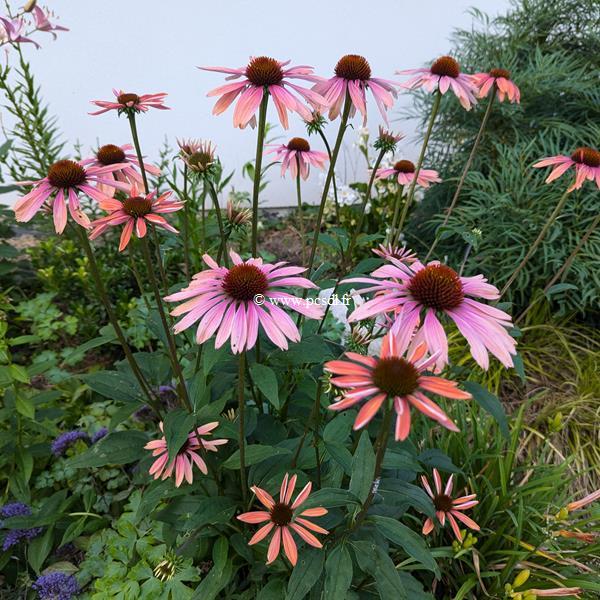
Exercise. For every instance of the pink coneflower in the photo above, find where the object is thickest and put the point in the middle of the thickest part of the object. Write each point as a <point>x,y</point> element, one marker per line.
<point>282,518</point>
<point>188,455</point>
<point>60,188</point>
<point>127,101</point>
<point>404,172</point>
<point>401,253</point>
<point>11,32</point>
<point>297,152</point>
<point>353,77</point>
<point>198,155</point>
<point>448,508</point>
<point>443,75</point>
<point>433,289</point>
<point>265,75</point>
<point>585,160</point>
<point>42,21</point>
<point>237,300</point>
<point>500,79</point>
<point>110,154</point>
<point>395,378</point>
<point>135,212</point>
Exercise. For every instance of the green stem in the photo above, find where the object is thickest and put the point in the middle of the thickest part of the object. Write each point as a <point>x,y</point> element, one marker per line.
<point>333,182</point>
<point>186,223</point>
<point>466,168</point>
<point>241,424</point>
<point>159,260</point>
<point>413,183</point>
<point>171,347</point>
<point>138,151</point>
<point>397,204</point>
<point>223,244</point>
<point>314,413</point>
<point>557,209</point>
<point>260,139</point>
<point>300,218</point>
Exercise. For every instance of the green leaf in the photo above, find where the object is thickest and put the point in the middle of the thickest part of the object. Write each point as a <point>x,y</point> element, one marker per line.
<point>408,540</point>
<point>39,549</point>
<point>218,577</point>
<point>265,379</point>
<point>216,509</point>
<point>363,467</point>
<point>306,573</point>
<point>372,559</point>
<point>413,495</point>
<point>490,403</point>
<point>338,573</point>
<point>330,498</point>
<point>341,455</point>
<point>19,373</point>
<point>434,457</point>
<point>24,406</point>
<point>114,385</point>
<point>117,448</point>
<point>177,426</point>
<point>254,454</point>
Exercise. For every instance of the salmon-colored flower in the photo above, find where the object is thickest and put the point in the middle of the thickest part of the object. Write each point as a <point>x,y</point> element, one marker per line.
<point>134,213</point>
<point>281,518</point>
<point>443,75</point>
<point>265,75</point>
<point>446,507</point>
<point>297,153</point>
<point>404,172</point>
<point>579,504</point>
<point>187,457</point>
<point>500,80</point>
<point>353,78</point>
<point>555,592</point>
<point>127,101</point>
<point>392,377</point>
<point>585,160</point>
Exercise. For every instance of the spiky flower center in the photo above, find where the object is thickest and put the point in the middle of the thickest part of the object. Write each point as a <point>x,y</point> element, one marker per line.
<point>298,144</point>
<point>128,99</point>
<point>110,154</point>
<point>500,73</point>
<point>199,161</point>
<point>443,503</point>
<point>66,174</point>
<point>404,166</point>
<point>281,514</point>
<point>437,286</point>
<point>243,282</point>
<point>395,376</point>
<point>263,70</point>
<point>137,206</point>
<point>587,156</point>
<point>446,65</point>
<point>352,67</point>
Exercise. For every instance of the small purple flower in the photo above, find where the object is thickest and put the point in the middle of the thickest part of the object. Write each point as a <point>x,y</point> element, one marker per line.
<point>65,440</point>
<point>56,586</point>
<point>103,431</point>
<point>14,536</point>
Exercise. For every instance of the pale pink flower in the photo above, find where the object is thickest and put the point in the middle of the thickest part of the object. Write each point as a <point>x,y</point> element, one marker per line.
<point>500,79</point>
<point>60,188</point>
<point>404,172</point>
<point>392,378</point>
<point>187,456</point>
<point>447,507</point>
<point>443,75</point>
<point>579,504</point>
<point>436,289</point>
<point>110,154</point>
<point>282,519</point>
<point>296,153</point>
<point>11,32</point>
<point>42,21</point>
<point>389,250</point>
<point>128,101</point>
<point>585,160</point>
<point>260,76</point>
<point>237,300</point>
<point>353,77</point>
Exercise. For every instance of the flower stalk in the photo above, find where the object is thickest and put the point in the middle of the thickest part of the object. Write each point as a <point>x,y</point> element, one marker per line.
<point>260,140</point>
<point>300,217</point>
<point>241,424</point>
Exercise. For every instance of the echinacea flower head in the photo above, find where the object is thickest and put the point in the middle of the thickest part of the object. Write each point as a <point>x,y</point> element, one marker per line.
<point>198,155</point>
<point>404,172</point>
<point>443,75</point>
<point>60,190</point>
<point>265,75</point>
<point>235,302</point>
<point>134,213</point>
<point>387,140</point>
<point>56,586</point>
<point>11,32</point>
<point>65,440</point>
<point>447,507</point>
<point>14,536</point>
<point>297,156</point>
<point>434,290</point>
<point>397,376</point>
<point>352,78</point>
<point>401,253</point>
<point>586,161</point>
<point>316,123</point>
<point>188,455</point>
<point>500,81</point>
<point>128,102</point>
<point>111,154</point>
<point>237,215</point>
<point>282,518</point>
